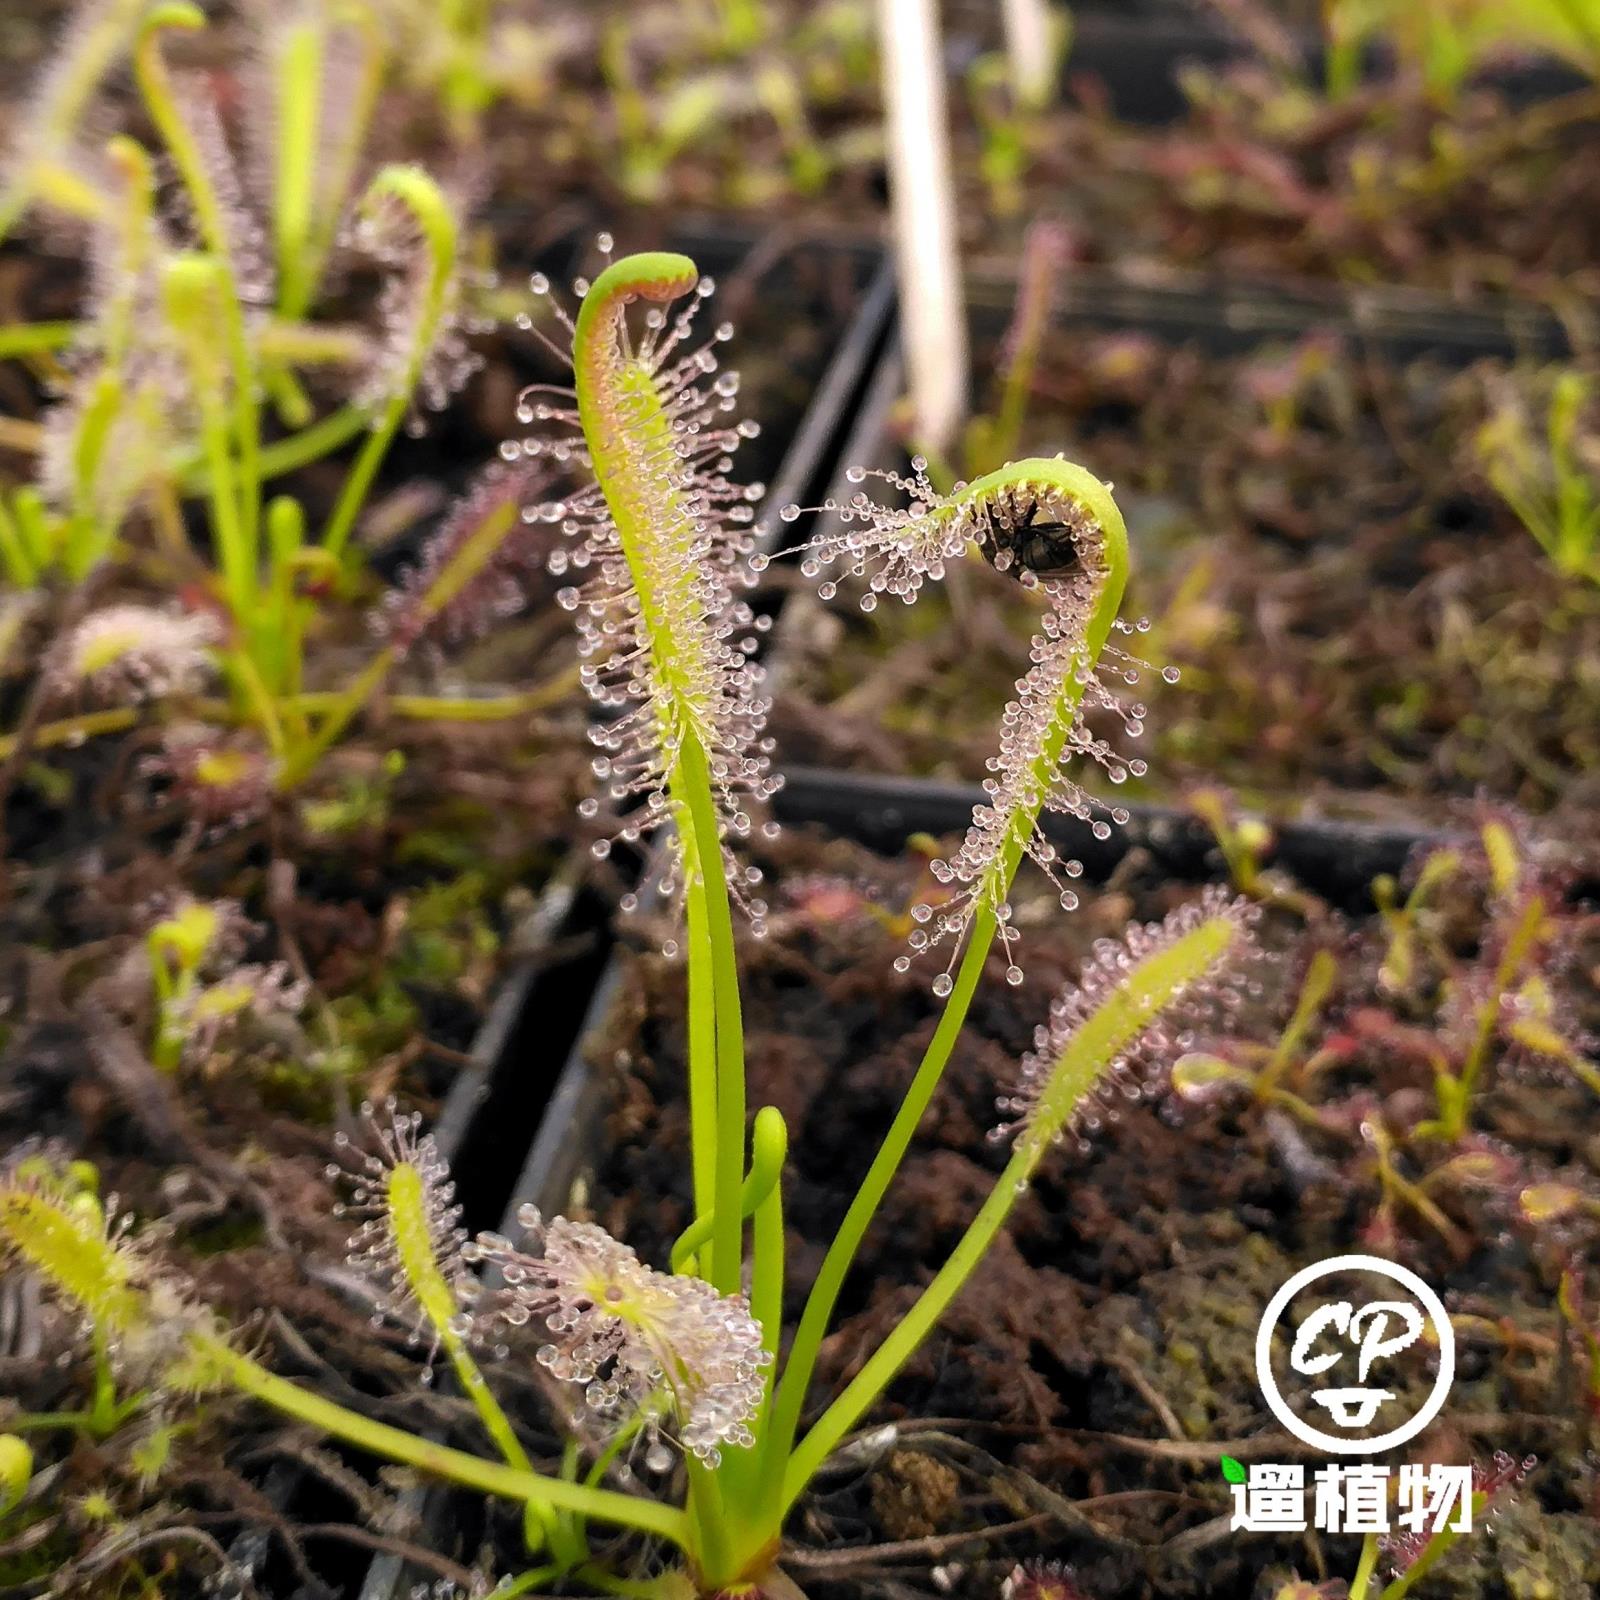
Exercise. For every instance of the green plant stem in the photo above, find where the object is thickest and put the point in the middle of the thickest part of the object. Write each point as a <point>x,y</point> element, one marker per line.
<point>860,1393</point>
<point>441,1461</point>
<point>247,675</point>
<point>769,1144</point>
<point>412,707</point>
<point>692,788</point>
<point>1586,1074</point>
<point>789,1400</point>
<point>298,90</point>
<point>1365,1567</point>
<point>473,1384</point>
<point>614,1446</point>
<point>1062,477</point>
<point>1319,981</point>
<point>662,1588</point>
<point>466,562</point>
<point>16,554</point>
<point>1455,1103</point>
<point>322,438</point>
<point>89,533</point>
<point>283,638</point>
<point>702,1040</point>
<point>489,708</point>
<point>103,1410</point>
<point>286,343</point>
<point>155,86</point>
<point>35,338</point>
<point>346,708</point>
<point>73,730</point>
<point>627,427</point>
<point>47,1421</point>
<point>413,189</point>
<point>769,1147</point>
<point>527,1582</point>
<point>406,1193</point>
<point>194,287</point>
<point>707,1516</point>
<point>358,484</point>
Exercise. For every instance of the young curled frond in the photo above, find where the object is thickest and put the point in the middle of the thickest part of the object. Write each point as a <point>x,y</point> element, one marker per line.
<point>1056,528</point>
<point>1114,1030</point>
<point>659,539</point>
<point>408,223</point>
<point>209,200</point>
<point>646,1344</point>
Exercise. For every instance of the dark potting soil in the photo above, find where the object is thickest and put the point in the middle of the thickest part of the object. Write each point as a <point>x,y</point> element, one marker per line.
<point>1354,611</point>
<point>1100,1361</point>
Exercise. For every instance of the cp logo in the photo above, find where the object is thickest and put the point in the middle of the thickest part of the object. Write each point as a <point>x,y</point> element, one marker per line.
<point>1340,1333</point>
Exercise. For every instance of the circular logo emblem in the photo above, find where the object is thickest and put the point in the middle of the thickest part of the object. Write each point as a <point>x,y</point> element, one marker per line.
<point>1348,1335</point>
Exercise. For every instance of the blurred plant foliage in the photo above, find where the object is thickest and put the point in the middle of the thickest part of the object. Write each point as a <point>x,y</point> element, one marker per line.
<point>1547,475</point>
<point>1448,40</point>
<point>204,366</point>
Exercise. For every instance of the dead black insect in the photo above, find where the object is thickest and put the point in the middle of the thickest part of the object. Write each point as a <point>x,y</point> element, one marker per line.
<point>1015,539</point>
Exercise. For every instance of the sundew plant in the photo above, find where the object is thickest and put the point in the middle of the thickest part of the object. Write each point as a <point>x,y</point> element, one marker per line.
<point>199,374</point>
<point>687,1410</point>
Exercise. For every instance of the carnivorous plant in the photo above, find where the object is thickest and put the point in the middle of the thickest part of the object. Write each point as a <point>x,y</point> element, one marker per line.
<point>185,383</point>
<point>678,1366</point>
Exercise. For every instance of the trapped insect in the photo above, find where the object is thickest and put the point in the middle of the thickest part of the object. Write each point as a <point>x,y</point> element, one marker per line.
<point>1013,539</point>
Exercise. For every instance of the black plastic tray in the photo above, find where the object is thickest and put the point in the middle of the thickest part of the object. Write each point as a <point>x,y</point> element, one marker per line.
<point>1226,314</point>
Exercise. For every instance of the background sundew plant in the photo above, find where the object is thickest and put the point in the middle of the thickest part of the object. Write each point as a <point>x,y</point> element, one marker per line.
<point>189,381</point>
<point>682,1362</point>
